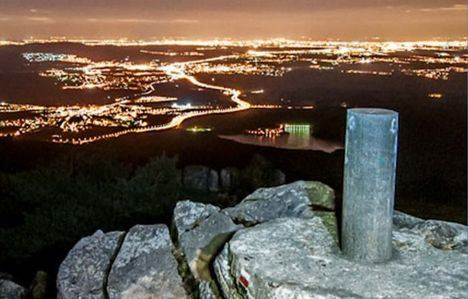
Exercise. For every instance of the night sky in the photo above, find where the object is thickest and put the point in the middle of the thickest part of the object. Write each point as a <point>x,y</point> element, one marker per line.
<point>237,19</point>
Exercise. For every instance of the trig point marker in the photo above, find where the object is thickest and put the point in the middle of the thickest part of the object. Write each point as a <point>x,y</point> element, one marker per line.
<point>369,184</point>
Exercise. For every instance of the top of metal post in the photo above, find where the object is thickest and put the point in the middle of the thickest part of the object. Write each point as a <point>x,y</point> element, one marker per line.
<point>372,111</point>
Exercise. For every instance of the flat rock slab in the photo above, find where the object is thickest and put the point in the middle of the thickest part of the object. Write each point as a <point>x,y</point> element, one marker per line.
<point>292,200</point>
<point>298,258</point>
<point>83,272</point>
<point>145,267</point>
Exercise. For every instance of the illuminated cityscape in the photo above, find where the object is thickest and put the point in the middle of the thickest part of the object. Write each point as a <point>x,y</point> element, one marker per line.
<point>146,110</point>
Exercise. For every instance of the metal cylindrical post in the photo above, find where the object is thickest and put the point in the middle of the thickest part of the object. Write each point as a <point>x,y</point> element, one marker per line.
<point>369,184</point>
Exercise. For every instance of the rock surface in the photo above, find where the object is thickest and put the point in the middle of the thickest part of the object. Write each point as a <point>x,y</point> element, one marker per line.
<point>443,235</point>
<point>202,232</point>
<point>298,258</point>
<point>189,214</point>
<point>292,200</point>
<point>145,267</point>
<point>83,272</point>
<point>11,290</point>
<point>320,195</point>
<point>208,290</point>
<point>201,244</point>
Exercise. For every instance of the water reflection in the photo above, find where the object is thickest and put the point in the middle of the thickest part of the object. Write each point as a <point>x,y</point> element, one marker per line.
<point>286,136</point>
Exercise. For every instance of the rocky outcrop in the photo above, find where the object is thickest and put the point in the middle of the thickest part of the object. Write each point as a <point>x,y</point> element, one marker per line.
<point>298,258</point>
<point>145,266</point>
<point>83,272</point>
<point>284,245</point>
<point>292,200</point>
<point>11,290</point>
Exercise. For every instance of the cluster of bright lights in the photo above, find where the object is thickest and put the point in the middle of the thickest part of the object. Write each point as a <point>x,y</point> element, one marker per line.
<point>436,96</point>
<point>197,129</point>
<point>267,132</point>
<point>364,72</point>
<point>173,53</point>
<point>435,73</point>
<point>238,69</point>
<point>52,57</point>
<point>293,129</point>
<point>105,75</point>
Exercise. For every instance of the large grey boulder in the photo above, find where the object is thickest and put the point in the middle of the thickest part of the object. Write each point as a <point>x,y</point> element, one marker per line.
<point>292,200</point>
<point>83,272</point>
<point>298,258</point>
<point>145,267</point>
<point>11,290</point>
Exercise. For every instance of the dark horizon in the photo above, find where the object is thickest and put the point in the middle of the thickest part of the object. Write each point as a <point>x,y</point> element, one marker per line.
<point>207,19</point>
